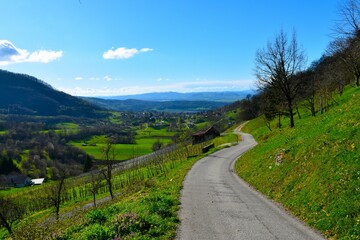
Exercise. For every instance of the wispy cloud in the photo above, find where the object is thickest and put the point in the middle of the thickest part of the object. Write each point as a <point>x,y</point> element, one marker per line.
<point>124,53</point>
<point>162,79</point>
<point>9,54</point>
<point>107,78</point>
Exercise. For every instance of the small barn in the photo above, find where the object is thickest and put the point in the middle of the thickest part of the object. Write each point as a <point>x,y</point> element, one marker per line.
<point>204,136</point>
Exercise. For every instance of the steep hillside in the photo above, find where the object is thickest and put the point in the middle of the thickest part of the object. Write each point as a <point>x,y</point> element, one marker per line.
<point>314,168</point>
<point>23,94</point>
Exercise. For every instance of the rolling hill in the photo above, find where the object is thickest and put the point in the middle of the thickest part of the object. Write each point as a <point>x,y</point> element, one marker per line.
<point>26,95</point>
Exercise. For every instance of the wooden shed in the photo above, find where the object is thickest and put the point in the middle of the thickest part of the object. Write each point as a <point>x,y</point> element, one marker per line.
<point>206,135</point>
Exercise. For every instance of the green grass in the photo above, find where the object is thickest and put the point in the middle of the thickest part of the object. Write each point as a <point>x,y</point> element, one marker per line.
<point>228,138</point>
<point>202,125</point>
<point>122,151</point>
<point>144,139</point>
<point>12,191</point>
<point>318,176</point>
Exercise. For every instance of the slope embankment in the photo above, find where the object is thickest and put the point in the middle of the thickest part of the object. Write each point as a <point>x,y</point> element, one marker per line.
<point>313,169</point>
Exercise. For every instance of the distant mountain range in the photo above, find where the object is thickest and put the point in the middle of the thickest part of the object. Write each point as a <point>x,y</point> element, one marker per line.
<point>192,96</point>
<point>170,101</point>
<point>26,95</point>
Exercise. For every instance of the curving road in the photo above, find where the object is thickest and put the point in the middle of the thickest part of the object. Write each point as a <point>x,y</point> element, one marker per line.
<point>217,204</point>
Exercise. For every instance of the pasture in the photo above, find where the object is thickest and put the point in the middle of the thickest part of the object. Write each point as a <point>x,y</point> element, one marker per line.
<point>144,141</point>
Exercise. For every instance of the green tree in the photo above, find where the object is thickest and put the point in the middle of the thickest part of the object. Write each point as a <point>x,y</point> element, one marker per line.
<point>156,145</point>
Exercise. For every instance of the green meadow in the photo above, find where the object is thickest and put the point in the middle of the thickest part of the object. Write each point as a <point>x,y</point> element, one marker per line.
<point>144,139</point>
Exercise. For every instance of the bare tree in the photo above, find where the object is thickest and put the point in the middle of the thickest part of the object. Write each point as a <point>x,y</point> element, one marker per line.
<point>55,192</point>
<point>108,152</point>
<point>95,185</point>
<point>346,45</point>
<point>10,212</point>
<point>348,50</point>
<point>277,66</point>
<point>348,24</point>
<point>309,89</point>
<point>184,140</point>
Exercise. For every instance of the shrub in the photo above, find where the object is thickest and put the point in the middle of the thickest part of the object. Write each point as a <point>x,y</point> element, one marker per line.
<point>129,223</point>
<point>160,204</point>
<point>97,216</point>
<point>96,231</point>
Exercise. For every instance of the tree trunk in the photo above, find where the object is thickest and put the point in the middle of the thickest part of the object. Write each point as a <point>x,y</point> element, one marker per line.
<point>110,190</point>
<point>313,113</point>
<point>357,84</point>
<point>297,111</point>
<point>94,199</point>
<point>291,113</point>
<point>58,197</point>
<point>268,124</point>
<point>321,105</point>
<point>279,119</point>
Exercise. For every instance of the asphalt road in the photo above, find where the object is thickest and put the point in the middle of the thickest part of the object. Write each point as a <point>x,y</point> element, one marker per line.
<point>217,204</point>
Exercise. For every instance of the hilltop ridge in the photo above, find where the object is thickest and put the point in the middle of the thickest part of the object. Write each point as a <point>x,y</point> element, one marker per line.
<point>26,95</point>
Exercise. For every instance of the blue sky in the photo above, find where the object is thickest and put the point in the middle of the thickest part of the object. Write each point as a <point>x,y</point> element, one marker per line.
<point>122,47</point>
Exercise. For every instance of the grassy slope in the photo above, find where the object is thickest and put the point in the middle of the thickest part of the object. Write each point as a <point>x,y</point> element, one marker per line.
<point>319,177</point>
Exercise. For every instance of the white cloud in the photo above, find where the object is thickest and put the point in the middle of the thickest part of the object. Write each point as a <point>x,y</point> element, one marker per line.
<point>78,78</point>
<point>124,53</point>
<point>107,78</point>
<point>162,79</point>
<point>146,50</point>
<point>44,56</point>
<point>9,54</point>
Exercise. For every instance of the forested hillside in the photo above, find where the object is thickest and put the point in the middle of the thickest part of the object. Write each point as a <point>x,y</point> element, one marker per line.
<point>26,95</point>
